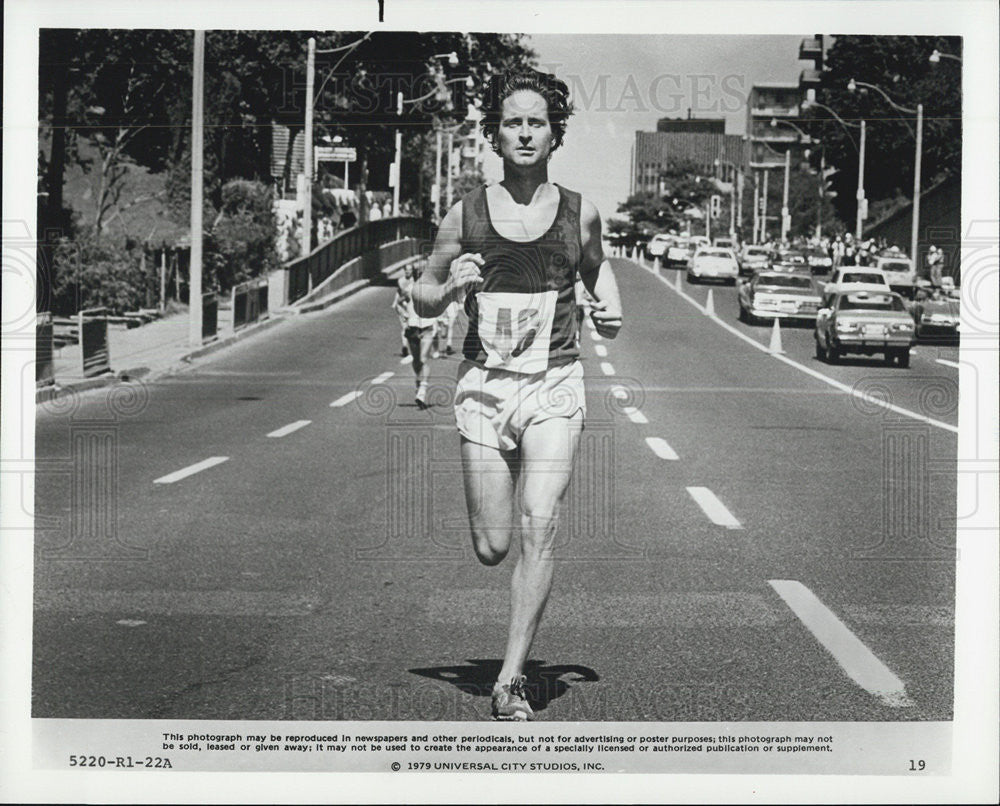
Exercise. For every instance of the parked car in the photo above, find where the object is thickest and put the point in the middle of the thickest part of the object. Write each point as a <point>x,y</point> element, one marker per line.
<point>677,252</point>
<point>936,314</point>
<point>777,295</point>
<point>899,273</point>
<point>865,323</point>
<point>719,264</point>
<point>754,258</point>
<point>658,245</point>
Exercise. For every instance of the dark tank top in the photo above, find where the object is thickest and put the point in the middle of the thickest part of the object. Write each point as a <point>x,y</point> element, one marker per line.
<point>523,316</point>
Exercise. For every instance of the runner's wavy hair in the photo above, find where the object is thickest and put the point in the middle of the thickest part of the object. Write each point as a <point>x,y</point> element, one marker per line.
<point>503,85</point>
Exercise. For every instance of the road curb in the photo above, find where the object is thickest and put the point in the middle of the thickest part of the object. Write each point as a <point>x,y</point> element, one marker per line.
<point>135,373</point>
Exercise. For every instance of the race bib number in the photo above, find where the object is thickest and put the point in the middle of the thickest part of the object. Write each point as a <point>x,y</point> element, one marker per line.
<point>516,329</point>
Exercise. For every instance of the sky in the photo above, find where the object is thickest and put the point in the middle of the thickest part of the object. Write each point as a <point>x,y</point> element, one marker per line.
<point>624,83</point>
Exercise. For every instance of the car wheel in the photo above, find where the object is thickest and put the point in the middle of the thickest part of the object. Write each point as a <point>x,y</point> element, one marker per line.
<point>743,314</point>
<point>903,356</point>
<point>820,351</point>
<point>890,356</point>
<point>689,277</point>
<point>832,355</point>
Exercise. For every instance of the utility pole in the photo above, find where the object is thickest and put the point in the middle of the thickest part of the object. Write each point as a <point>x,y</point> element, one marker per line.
<point>756,208</point>
<point>436,192</point>
<point>785,217</point>
<point>308,161</point>
<point>763,209</point>
<point>398,162</point>
<point>197,155</point>
<point>451,158</point>
<point>861,184</point>
<point>916,187</point>
<point>739,198</point>
<point>822,194</point>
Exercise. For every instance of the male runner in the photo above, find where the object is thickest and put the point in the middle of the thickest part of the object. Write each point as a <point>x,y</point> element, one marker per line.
<point>511,253</point>
<point>418,332</point>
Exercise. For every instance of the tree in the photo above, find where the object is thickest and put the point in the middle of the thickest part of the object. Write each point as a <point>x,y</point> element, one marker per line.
<point>901,66</point>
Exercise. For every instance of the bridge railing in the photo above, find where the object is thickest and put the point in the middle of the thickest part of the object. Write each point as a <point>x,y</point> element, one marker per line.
<point>362,247</point>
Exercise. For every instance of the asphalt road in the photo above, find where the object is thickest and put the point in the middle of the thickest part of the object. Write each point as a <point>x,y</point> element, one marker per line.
<point>743,539</point>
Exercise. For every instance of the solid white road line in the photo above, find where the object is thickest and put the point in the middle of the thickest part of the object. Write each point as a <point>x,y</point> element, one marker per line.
<point>607,368</point>
<point>170,478</point>
<point>345,399</point>
<point>857,660</point>
<point>946,362</point>
<point>635,415</point>
<point>284,431</point>
<point>383,377</point>
<point>661,448</point>
<point>860,395</point>
<point>713,507</point>
<point>601,350</point>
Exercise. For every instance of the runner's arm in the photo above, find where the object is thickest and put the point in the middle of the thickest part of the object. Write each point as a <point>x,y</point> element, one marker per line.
<point>449,273</point>
<point>595,271</point>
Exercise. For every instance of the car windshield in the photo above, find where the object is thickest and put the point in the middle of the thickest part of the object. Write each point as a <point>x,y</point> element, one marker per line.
<point>714,253</point>
<point>756,252</point>
<point>791,257</point>
<point>894,266</point>
<point>784,280</point>
<point>871,302</point>
<point>862,277</point>
<point>661,238</point>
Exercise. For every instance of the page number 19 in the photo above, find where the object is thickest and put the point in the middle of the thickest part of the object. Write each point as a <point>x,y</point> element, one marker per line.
<point>917,765</point>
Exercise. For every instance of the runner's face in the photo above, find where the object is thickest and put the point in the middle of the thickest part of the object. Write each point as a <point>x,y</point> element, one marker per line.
<point>525,132</point>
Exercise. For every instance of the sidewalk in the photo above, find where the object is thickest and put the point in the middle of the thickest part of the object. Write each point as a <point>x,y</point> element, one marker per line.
<point>145,351</point>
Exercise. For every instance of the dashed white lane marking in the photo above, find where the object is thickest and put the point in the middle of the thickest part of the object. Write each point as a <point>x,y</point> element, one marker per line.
<point>713,507</point>
<point>946,362</point>
<point>383,377</point>
<point>607,369</point>
<point>345,399</point>
<point>662,449</point>
<point>596,336</point>
<point>854,392</point>
<point>635,415</point>
<point>406,359</point>
<point>285,430</point>
<point>170,478</point>
<point>601,350</point>
<point>856,659</point>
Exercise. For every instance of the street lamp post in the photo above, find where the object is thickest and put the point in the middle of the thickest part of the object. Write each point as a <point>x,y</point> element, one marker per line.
<point>307,162</point>
<point>852,85</point>
<point>861,184</point>
<point>785,217</point>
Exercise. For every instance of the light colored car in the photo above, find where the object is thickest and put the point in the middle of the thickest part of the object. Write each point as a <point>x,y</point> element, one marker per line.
<point>855,278</point>
<point>865,323</point>
<point>899,273</point>
<point>709,262</point>
<point>777,295</point>
<point>819,261</point>
<point>754,258</point>
<point>677,252</point>
<point>658,245</point>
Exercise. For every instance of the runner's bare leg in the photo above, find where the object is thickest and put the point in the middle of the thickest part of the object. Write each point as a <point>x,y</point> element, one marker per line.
<point>490,484</point>
<point>547,452</point>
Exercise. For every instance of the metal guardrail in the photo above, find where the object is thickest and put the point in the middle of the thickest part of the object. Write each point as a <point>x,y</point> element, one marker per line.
<point>365,241</point>
<point>44,364</point>
<point>209,316</point>
<point>93,331</point>
<point>250,302</point>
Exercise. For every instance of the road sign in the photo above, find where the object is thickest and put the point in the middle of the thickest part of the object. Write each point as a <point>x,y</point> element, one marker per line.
<point>335,154</point>
<point>716,206</point>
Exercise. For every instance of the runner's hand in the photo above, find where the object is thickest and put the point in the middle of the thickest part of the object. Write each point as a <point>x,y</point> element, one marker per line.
<point>607,320</point>
<point>465,271</point>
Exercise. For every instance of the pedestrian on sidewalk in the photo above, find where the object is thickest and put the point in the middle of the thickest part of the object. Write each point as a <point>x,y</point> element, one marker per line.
<point>511,253</point>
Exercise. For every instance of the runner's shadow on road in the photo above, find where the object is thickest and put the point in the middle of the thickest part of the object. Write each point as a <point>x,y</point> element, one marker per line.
<point>545,682</point>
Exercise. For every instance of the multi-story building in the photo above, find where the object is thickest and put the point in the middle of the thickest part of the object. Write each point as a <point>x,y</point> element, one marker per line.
<point>717,154</point>
<point>780,102</point>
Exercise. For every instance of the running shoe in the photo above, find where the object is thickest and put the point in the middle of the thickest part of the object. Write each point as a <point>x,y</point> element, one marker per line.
<point>404,352</point>
<point>510,702</point>
<point>448,350</point>
<point>422,396</point>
